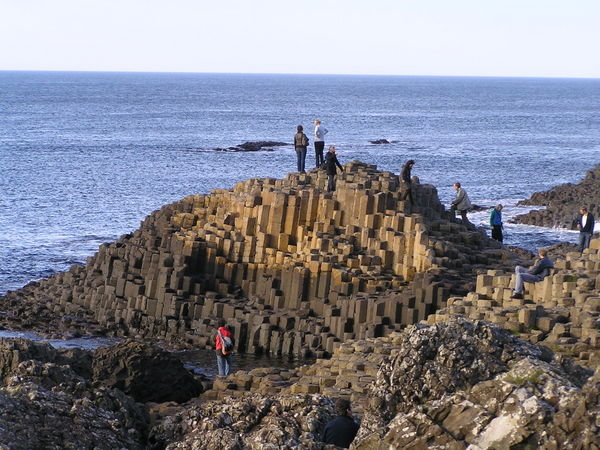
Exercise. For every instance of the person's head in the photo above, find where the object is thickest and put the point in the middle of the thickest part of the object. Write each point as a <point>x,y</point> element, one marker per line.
<point>300,128</point>
<point>343,407</point>
<point>499,207</point>
<point>332,149</point>
<point>410,163</point>
<point>542,252</point>
<point>317,122</point>
<point>221,323</point>
<point>583,210</point>
<point>457,186</point>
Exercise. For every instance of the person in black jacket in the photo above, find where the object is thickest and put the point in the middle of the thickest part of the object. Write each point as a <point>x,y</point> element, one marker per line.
<point>406,179</point>
<point>342,430</point>
<point>586,228</point>
<point>300,144</point>
<point>331,165</point>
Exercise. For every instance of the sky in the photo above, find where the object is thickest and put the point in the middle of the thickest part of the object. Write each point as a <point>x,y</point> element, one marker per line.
<point>531,38</point>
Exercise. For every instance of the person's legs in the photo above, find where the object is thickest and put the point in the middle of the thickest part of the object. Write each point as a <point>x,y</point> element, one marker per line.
<point>497,233</point>
<point>523,277</point>
<point>227,367</point>
<point>302,159</point>
<point>584,241</point>
<point>221,364</point>
<point>331,183</point>
<point>298,159</point>
<point>319,146</point>
<point>463,215</point>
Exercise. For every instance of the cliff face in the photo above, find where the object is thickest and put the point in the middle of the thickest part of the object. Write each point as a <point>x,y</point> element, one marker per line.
<point>292,267</point>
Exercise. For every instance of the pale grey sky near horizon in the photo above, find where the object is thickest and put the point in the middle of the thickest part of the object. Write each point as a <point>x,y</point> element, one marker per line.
<point>532,38</point>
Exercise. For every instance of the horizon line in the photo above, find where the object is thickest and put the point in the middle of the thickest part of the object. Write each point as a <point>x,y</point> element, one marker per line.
<point>303,74</point>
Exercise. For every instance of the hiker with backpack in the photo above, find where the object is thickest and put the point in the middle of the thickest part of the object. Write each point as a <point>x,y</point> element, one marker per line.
<point>300,145</point>
<point>224,343</point>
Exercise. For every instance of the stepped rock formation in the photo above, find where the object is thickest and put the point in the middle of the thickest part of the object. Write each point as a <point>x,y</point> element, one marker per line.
<point>294,269</point>
<point>563,202</point>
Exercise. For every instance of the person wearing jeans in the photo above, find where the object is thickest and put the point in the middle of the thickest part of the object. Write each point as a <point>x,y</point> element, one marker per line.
<point>586,228</point>
<point>539,271</point>
<point>223,360</point>
<point>300,144</point>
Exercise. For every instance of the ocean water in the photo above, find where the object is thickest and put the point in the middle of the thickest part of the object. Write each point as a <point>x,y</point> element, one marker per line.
<point>84,157</point>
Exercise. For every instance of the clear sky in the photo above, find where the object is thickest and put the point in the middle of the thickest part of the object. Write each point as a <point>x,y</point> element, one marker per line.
<point>547,38</point>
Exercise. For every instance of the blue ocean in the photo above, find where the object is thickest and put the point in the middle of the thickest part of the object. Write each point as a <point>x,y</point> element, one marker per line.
<point>84,157</point>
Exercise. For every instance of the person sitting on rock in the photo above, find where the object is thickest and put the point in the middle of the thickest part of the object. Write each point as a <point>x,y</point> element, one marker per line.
<point>461,203</point>
<point>223,356</point>
<point>342,430</point>
<point>586,228</point>
<point>539,271</point>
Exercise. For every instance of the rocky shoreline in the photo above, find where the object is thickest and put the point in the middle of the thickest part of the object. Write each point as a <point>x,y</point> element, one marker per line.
<point>562,203</point>
<point>408,312</point>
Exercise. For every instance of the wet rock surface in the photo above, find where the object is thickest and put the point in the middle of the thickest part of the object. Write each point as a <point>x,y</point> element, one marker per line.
<point>253,146</point>
<point>563,202</point>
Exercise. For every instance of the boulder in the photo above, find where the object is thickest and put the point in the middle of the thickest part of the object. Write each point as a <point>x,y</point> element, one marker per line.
<point>144,371</point>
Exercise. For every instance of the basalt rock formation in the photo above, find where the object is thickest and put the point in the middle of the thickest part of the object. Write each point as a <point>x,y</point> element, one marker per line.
<point>563,202</point>
<point>293,268</point>
<point>253,146</point>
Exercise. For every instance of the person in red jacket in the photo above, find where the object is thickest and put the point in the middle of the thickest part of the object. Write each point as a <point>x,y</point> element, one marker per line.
<point>224,343</point>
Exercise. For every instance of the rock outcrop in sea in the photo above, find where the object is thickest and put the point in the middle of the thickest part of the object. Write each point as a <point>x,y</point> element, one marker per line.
<point>562,203</point>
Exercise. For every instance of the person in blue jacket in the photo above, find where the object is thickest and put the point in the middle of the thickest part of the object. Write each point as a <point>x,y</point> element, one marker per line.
<point>496,223</point>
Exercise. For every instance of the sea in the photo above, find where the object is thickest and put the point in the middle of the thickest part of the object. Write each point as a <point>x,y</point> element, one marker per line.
<point>85,156</point>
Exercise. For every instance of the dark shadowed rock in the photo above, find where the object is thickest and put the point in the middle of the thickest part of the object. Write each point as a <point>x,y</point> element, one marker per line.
<point>380,141</point>
<point>253,146</point>
<point>144,371</point>
<point>563,202</point>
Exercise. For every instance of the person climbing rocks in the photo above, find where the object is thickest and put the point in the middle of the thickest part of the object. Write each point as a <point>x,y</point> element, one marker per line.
<point>331,165</point>
<point>496,223</point>
<point>406,180</point>
<point>461,203</point>
<point>342,430</point>
<point>224,344</point>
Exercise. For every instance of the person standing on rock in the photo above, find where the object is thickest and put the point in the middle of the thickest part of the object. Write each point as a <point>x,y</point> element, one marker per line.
<point>342,430</point>
<point>496,223</point>
<point>539,271</point>
<point>320,132</point>
<point>300,145</point>
<point>586,228</point>
<point>461,203</point>
<point>406,180</point>
<point>224,343</point>
<point>331,165</point>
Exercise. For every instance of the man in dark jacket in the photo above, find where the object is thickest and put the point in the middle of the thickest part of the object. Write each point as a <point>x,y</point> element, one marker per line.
<point>539,271</point>
<point>342,430</point>
<point>300,144</point>
<point>331,164</point>
<point>406,180</point>
<point>586,228</point>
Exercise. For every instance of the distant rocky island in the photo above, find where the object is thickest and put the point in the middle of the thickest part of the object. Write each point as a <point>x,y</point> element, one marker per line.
<point>408,314</point>
<point>253,146</point>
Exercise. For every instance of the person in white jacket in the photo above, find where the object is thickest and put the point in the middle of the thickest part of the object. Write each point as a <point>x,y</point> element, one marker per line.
<point>461,203</point>
<point>320,132</point>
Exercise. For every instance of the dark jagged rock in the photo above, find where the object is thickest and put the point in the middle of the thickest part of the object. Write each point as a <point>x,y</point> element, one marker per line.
<point>144,371</point>
<point>45,404</point>
<point>563,202</point>
<point>381,141</point>
<point>253,146</point>
<point>465,383</point>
